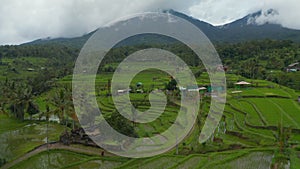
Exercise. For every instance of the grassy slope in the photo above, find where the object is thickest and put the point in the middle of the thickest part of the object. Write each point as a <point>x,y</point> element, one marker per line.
<point>18,138</point>
<point>235,120</point>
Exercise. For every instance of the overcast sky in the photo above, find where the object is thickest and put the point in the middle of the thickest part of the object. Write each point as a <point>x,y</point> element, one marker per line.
<point>26,20</point>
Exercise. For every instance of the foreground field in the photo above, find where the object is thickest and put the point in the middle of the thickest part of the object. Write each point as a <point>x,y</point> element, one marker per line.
<point>246,137</point>
<point>18,138</point>
<point>67,159</point>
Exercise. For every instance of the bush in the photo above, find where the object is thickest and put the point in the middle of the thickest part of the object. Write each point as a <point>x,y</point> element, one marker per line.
<point>2,162</point>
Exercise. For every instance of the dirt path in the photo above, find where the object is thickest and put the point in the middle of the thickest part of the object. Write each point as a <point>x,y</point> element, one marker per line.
<point>53,146</point>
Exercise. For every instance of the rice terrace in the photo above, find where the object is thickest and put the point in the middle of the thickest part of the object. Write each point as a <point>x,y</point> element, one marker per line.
<point>259,127</point>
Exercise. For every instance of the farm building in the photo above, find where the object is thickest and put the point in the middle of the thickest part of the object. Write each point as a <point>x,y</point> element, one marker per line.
<point>294,67</point>
<point>182,88</point>
<point>192,88</point>
<point>139,84</point>
<point>222,68</point>
<point>124,91</point>
<point>30,69</point>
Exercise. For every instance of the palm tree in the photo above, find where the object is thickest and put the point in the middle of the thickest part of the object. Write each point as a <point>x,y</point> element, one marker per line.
<point>20,98</point>
<point>3,96</point>
<point>62,100</point>
<point>32,109</point>
<point>282,137</point>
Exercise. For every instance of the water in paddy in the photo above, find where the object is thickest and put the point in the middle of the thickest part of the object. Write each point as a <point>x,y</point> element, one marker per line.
<point>48,160</point>
<point>60,158</point>
<point>259,160</point>
<point>16,142</point>
<point>98,164</point>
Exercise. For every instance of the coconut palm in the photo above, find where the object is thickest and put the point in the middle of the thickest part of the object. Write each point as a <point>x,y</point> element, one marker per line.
<point>4,96</point>
<point>20,98</point>
<point>62,100</point>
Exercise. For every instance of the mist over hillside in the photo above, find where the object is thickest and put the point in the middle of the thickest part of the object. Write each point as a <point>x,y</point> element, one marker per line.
<point>241,30</point>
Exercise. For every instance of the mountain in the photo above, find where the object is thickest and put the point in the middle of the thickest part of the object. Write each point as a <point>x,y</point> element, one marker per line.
<point>243,29</point>
<point>76,42</point>
<point>247,29</point>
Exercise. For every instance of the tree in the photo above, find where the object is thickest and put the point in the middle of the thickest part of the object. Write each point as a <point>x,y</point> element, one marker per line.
<point>4,96</point>
<point>198,73</point>
<point>282,157</point>
<point>59,102</point>
<point>42,82</point>
<point>282,137</point>
<point>0,58</point>
<point>32,109</point>
<point>2,161</point>
<point>122,125</point>
<point>172,85</point>
<point>20,98</point>
<point>62,100</point>
<point>250,68</point>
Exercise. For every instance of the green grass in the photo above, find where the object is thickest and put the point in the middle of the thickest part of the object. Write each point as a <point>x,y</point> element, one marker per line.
<point>92,164</point>
<point>158,162</point>
<point>252,116</point>
<point>190,162</point>
<point>247,161</point>
<point>18,138</point>
<point>295,159</point>
<point>290,108</point>
<point>51,159</point>
<point>258,107</point>
<point>251,133</point>
<point>273,110</point>
<point>8,124</point>
<point>68,159</point>
<point>158,125</point>
<point>17,68</point>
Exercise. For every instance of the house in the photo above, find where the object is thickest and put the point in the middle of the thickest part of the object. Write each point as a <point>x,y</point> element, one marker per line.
<point>139,91</point>
<point>294,67</point>
<point>222,68</point>
<point>193,88</point>
<point>139,84</point>
<point>123,91</point>
<point>182,88</point>
<point>30,69</point>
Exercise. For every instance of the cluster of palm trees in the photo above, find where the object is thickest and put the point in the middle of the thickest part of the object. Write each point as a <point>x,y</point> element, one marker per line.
<point>63,107</point>
<point>17,98</point>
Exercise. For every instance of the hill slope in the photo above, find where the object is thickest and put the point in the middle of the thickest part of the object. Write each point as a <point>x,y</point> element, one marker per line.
<point>240,30</point>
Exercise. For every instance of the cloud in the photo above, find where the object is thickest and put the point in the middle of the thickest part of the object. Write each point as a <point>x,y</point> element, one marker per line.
<point>219,12</point>
<point>287,13</point>
<point>26,20</point>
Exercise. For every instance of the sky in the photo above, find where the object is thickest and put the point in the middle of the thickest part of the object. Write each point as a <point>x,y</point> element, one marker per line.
<point>26,20</point>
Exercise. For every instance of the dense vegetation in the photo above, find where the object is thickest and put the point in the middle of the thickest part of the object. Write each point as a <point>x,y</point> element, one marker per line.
<point>261,121</point>
<point>266,59</point>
